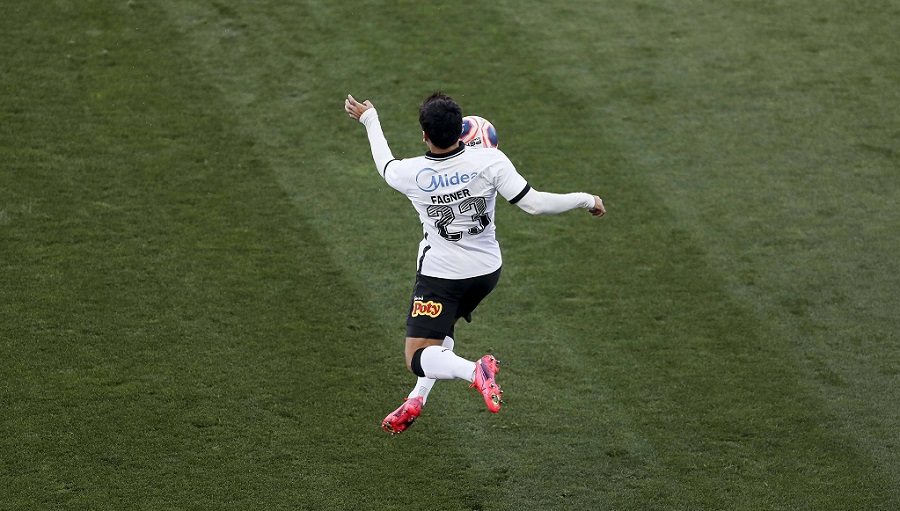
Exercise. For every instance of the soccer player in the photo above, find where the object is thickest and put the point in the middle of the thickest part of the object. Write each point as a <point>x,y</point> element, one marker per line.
<point>454,191</point>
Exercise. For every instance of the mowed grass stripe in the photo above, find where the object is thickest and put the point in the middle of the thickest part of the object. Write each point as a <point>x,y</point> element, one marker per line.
<point>793,134</point>
<point>173,336</point>
<point>863,481</point>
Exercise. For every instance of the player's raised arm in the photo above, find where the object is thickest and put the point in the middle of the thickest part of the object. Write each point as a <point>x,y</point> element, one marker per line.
<point>365,113</point>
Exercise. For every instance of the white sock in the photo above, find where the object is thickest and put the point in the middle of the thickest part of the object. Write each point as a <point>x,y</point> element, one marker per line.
<point>442,364</point>
<point>424,383</point>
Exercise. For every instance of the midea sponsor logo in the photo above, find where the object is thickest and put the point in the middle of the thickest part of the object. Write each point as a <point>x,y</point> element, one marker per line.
<point>428,179</point>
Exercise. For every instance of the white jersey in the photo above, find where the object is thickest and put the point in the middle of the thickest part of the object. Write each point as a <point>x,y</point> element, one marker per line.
<point>455,195</point>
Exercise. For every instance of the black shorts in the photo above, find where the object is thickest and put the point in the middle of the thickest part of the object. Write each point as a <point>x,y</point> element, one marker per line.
<point>437,303</point>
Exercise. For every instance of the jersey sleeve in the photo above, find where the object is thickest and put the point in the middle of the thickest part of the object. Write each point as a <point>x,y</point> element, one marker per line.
<point>395,177</point>
<point>545,203</point>
<point>507,180</point>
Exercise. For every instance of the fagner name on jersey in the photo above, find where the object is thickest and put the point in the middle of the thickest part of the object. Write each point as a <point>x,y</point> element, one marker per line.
<point>450,197</point>
<point>428,179</point>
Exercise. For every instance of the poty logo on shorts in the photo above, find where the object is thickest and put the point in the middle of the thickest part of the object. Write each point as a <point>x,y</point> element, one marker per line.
<point>428,179</point>
<point>429,308</point>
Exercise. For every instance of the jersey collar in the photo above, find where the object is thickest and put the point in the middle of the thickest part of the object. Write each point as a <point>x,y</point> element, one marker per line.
<point>444,156</point>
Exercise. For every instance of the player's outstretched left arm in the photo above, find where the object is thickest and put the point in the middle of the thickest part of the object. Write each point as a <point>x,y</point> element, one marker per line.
<point>546,203</point>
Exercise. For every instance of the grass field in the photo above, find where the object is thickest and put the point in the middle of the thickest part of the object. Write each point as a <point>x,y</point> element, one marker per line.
<point>203,280</point>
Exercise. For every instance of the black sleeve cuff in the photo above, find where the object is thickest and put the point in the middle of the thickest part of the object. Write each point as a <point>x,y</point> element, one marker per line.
<point>517,198</point>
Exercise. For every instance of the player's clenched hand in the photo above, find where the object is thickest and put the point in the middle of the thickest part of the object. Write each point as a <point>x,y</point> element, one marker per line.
<point>354,108</point>
<point>598,210</point>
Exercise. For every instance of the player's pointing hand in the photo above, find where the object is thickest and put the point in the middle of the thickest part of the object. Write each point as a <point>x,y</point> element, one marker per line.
<point>354,108</point>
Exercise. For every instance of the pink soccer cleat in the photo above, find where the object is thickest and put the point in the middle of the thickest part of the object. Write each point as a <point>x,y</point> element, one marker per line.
<point>402,418</point>
<point>485,369</point>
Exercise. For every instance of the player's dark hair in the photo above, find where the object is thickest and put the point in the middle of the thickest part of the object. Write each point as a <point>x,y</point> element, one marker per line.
<point>441,120</point>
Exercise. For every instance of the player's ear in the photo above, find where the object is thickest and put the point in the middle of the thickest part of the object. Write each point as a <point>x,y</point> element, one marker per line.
<point>424,137</point>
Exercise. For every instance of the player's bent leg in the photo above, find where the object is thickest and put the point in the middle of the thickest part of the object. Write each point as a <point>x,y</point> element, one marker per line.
<point>441,364</point>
